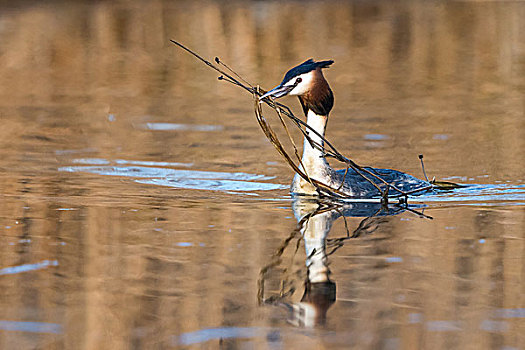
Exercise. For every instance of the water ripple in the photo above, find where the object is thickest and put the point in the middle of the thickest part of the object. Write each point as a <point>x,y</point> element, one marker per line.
<point>27,267</point>
<point>205,335</point>
<point>32,327</point>
<point>482,194</point>
<point>177,178</point>
<point>181,127</point>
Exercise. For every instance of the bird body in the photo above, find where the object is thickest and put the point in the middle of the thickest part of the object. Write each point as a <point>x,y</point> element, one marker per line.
<point>308,83</point>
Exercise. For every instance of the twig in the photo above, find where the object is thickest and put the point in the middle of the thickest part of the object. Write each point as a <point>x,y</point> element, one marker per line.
<point>423,166</point>
<point>218,61</point>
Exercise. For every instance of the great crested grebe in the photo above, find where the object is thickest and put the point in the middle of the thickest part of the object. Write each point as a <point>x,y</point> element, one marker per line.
<point>308,83</point>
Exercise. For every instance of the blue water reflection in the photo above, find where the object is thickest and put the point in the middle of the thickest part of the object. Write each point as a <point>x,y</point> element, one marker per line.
<point>28,267</point>
<point>32,327</point>
<point>152,174</point>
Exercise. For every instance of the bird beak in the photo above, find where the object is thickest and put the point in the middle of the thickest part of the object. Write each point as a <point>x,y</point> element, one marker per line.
<point>278,91</point>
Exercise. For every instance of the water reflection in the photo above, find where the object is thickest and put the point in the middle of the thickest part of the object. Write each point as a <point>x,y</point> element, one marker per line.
<point>314,222</point>
<point>30,327</point>
<point>27,267</point>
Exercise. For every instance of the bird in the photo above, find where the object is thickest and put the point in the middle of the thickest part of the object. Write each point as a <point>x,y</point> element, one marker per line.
<point>307,82</point>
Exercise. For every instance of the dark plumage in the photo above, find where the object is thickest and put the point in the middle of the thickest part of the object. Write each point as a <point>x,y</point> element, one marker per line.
<point>305,67</point>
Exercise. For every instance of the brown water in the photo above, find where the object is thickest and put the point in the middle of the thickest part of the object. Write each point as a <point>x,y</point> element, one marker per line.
<point>143,208</point>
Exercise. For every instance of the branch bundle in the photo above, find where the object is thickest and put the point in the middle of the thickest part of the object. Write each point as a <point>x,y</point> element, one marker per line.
<point>383,188</point>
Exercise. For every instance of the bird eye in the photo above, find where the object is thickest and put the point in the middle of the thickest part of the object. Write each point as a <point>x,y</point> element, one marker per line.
<point>298,80</point>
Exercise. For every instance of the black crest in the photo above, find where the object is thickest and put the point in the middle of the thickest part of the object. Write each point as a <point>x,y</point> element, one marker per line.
<point>305,67</point>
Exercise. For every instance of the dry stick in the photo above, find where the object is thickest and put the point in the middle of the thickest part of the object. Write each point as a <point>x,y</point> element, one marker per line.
<point>270,134</point>
<point>346,223</point>
<point>296,151</point>
<point>288,113</point>
<point>338,156</point>
<point>423,166</point>
<point>421,215</point>
<point>232,71</point>
<point>322,188</point>
<point>333,153</point>
<point>344,178</point>
<point>212,66</point>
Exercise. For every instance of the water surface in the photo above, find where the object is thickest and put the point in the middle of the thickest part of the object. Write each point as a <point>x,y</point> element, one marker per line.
<point>143,208</point>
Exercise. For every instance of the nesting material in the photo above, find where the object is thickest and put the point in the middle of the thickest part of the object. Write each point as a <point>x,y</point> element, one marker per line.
<point>284,113</point>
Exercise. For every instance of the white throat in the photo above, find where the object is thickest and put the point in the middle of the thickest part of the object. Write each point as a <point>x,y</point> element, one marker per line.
<point>313,157</point>
<point>313,161</point>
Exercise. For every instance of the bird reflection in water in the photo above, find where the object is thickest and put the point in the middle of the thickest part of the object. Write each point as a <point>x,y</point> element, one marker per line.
<point>314,222</point>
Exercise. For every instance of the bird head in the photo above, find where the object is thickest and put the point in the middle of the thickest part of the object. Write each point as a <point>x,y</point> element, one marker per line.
<point>308,83</point>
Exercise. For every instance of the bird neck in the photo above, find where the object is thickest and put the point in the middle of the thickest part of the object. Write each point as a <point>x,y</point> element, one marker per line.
<point>313,152</point>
